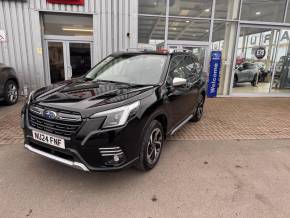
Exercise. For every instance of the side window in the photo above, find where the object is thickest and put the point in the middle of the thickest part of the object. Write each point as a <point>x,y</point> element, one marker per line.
<point>176,68</point>
<point>193,69</point>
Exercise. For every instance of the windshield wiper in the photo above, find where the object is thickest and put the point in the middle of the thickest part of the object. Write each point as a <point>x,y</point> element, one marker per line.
<point>132,85</point>
<point>124,83</point>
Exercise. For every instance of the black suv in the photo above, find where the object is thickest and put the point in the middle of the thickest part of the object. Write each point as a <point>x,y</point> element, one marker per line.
<point>118,114</point>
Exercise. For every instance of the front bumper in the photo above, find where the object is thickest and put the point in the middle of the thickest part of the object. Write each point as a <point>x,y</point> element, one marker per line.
<point>73,164</point>
<point>89,149</point>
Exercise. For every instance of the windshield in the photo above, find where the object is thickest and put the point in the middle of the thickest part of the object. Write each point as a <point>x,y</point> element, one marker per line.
<point>141,69</point>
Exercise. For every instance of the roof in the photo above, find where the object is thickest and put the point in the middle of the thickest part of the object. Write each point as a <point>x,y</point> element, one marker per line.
<point>151,52</point>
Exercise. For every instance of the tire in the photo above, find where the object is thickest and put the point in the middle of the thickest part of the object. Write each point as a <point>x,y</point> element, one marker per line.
<point>198,113</point>
<point>235,81</point>
<point>254,82</point>
<point>151,147</point>
<point>11,92</point>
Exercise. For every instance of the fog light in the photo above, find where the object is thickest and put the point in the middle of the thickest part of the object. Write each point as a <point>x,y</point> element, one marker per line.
<point>116,158</point>
<point>113,156</point>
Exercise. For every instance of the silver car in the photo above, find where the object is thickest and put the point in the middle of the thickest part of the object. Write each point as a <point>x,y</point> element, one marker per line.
<point>247,72</point>
<point>9,85</point>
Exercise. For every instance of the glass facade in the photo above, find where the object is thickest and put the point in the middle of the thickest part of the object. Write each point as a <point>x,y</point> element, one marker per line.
<point>253,36</point>
<point>67,24</point>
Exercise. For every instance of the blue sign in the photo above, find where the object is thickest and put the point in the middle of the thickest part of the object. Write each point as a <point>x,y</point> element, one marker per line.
<point>214,73</point>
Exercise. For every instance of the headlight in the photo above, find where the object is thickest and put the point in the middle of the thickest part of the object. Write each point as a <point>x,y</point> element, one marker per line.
<point>117,116</point>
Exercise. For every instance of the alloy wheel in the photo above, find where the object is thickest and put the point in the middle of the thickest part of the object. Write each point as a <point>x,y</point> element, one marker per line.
<point>154,146</point>
<point>12,93</point>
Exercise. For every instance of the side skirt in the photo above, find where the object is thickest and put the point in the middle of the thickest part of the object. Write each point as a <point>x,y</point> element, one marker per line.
<point>181,124</point>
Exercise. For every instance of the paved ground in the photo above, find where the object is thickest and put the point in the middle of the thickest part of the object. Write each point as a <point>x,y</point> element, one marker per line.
<point>207,169</point>
<point>225,118</point>
<point>233,178</point>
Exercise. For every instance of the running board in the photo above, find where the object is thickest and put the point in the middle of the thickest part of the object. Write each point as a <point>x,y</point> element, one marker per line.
<point>181,124</point>
<point>73,164</point>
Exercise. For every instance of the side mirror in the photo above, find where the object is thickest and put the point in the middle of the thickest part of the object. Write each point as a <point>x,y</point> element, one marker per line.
<point>240,68</point>
<point>178,81</point>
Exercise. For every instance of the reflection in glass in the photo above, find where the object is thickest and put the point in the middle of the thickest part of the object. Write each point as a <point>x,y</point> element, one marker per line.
<point>261,10</point>
<point>194,8</point>
<point>68,24</point>
<point>227,9</point>
<point>281,78</point>
<point>189,30</point>
<point>151,32</point>
<point>253,74</point>
<point>80,58</point>
<point>157,7</point>
<point>56,61</point>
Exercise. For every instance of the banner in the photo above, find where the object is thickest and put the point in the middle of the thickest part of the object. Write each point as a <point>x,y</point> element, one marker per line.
<point>67,2</point>
<point>214,73</point>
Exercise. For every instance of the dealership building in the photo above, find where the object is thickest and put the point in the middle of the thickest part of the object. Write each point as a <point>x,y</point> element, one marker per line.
<point>47,41</point>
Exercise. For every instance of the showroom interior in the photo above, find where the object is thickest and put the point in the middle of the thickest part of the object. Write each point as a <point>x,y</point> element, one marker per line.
<point>237,28</point>
<point>50,42</point>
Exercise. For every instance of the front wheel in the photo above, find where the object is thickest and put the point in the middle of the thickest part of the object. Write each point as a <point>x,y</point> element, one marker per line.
<point>151,146</point>
<point>10,92</point>
<point>199,109</point>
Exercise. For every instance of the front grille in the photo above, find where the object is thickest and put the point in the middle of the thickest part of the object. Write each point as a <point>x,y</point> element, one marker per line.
<point>59,126</point>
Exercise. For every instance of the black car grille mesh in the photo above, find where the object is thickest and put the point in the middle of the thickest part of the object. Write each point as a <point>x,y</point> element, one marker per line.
<point>58,127</point>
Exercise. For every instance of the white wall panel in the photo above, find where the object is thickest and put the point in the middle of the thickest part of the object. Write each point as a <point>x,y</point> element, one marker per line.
<point>112,20</point>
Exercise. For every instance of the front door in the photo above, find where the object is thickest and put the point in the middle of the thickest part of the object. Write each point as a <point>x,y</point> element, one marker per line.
<point>68,59</point>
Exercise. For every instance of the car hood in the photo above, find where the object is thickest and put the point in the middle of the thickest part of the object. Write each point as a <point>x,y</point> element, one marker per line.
<point>78,94</point>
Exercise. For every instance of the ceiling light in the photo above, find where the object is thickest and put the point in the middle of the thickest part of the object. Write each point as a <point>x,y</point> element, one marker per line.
<point>187,21</point>
<point>77,29</point>
<point>206,31</point>
<point>155,3</point>
<point>207,10</point>
<point>258,12</point>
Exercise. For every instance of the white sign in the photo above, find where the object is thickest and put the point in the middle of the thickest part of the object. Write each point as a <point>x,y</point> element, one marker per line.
<point>3,37</point>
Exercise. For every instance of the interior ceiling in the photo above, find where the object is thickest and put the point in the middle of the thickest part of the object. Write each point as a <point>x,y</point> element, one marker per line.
<point>198,30</point>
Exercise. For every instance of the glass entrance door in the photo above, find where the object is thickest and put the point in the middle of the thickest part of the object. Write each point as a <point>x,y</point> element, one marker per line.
<point>56,61</point>
<point>262,62</point>
<point>68,59</point>
<point>281,75</point>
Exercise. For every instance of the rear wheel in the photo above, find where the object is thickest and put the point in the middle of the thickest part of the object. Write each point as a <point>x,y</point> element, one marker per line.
<point>255,80</point>
<point>199,109</point>
<point>151,146</point>
<point>10,92</point>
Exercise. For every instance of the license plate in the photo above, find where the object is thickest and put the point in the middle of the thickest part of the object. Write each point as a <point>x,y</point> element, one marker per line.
<point>48,139</point>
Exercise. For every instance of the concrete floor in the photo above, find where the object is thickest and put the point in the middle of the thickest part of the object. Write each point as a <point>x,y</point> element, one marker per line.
<point>233,178</point>
<point>262,88</point>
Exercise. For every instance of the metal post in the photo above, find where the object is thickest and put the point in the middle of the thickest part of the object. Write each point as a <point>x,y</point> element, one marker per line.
<point>166,24</point>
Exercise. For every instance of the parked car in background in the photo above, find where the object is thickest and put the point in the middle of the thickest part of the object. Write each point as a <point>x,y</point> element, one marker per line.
<point>247,72</point>
<point>9,85</point>
<point>118,114</point>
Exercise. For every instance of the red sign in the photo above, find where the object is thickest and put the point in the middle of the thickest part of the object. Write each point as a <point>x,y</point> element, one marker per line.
<point>67,2</point>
